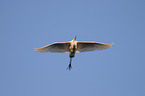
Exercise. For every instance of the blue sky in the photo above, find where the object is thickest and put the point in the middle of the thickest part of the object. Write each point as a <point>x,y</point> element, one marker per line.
<point>29,24</point>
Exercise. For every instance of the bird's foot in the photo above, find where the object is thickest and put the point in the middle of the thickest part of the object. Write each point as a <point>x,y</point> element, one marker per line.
<point>69,67</point>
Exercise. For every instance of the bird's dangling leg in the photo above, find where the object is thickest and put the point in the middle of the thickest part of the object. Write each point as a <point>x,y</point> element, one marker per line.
<point>69,66</point>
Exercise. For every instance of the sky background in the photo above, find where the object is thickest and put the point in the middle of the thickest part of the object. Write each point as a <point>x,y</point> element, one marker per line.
<point>29,24</point>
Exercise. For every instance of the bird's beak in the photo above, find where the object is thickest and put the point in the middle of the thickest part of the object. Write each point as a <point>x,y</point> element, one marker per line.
<point>75,38</point>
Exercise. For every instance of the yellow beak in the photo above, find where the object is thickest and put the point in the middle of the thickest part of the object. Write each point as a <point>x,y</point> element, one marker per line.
<point>75,38</point>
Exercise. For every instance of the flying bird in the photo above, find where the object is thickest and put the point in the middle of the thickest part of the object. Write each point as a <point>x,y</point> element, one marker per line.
<point>73,46</point>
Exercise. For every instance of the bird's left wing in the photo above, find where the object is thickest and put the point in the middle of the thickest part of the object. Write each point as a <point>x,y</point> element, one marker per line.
<point>60,47</point>
<point>91,46</point>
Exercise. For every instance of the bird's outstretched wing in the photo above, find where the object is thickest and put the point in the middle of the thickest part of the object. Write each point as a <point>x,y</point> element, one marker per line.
<point>58,47</point>
<point>91,46</point>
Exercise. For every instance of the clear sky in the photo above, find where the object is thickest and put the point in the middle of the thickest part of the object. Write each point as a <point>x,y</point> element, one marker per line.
<point>29,24</point>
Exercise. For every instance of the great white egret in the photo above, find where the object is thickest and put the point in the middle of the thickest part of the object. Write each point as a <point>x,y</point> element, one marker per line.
<point>73,46</point>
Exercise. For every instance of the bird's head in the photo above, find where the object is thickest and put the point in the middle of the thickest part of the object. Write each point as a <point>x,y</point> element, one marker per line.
<point>75,38</point>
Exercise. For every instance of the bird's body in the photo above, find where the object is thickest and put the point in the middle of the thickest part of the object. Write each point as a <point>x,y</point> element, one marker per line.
<point>73,47</point>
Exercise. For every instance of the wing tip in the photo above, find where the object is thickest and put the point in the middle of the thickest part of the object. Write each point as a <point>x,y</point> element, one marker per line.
<point>106,46</point>
<point>110,45</point>
<point>38,50</point>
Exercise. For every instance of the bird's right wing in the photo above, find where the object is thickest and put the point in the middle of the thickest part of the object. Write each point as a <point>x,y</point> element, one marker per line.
<point>60,47</point>
<point>91,46</point>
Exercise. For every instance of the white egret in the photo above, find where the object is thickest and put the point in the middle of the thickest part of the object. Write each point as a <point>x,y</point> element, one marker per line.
<point>73,47</point>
